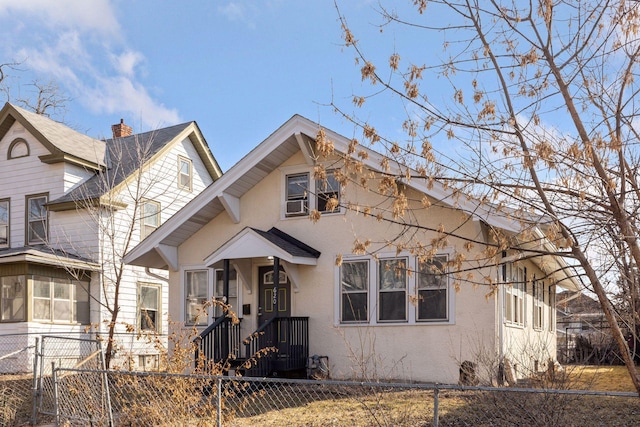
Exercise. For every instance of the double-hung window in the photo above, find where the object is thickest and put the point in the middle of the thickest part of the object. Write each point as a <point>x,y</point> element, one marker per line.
<point>297,197</point>
<point>149,217</point>
<point>392,290</point>
<point>4,223</point>
<point>37,228</point>
<point>354,291</point>
<point>433,289</point>
<point>12,303</point>
<point>327,192</point>
<point>185,173</point>
<point>514,279</point>
<point>196,295</point>
<point>538,303</point>
<point>149,299</point>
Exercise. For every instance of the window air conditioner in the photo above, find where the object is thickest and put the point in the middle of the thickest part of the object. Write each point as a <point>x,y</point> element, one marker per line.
<point>295,207</point>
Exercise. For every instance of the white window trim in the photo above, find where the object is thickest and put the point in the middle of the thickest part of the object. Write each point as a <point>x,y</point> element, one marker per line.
<point>159,326</point>
<point>8,224</point>
<point>517,289</point>
<point>188,187</point>
<point>211,278</point>
<point>312,193</point>
<point>373,294</point>
<point>144,216</point>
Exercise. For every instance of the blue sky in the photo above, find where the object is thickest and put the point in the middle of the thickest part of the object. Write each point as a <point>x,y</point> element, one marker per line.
<point>239,68</point>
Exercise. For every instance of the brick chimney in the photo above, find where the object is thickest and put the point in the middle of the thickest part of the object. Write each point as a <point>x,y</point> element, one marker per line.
<point>121,130</point>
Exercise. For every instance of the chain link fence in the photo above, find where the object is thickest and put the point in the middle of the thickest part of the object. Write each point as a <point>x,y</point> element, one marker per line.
<point>147,399</point>
<point>17,356</point>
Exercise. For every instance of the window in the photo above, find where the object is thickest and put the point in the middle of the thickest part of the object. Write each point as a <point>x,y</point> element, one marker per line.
<point>149,307</point>
<point>18,148</point>
<point>185,173</point>
<point>4,223</point>
<point>327,189</point>
<point>392,289</point>
<point>552,308</point>
<point>149,218</point>
<point>196,295</point>
<point>538,303</point>
<point>432,290</point>
<point>60,300</point>
<point>297,194</point>
<point>37,228</point>
<point>12,307</point>
<point>233,291</point>
<point>354,291</point>
<point>514,280</point>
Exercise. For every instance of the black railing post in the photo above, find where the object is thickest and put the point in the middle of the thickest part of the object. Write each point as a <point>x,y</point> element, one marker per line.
<point>225,291</point>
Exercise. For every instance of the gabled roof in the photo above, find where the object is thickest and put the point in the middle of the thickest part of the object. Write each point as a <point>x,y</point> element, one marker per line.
<point>253,243</point>
<point>126,155</point>
<point>64,143</point>
<point>159,250</point>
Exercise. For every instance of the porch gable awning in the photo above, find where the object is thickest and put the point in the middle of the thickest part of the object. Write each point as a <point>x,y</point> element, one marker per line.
<point>254,243</point>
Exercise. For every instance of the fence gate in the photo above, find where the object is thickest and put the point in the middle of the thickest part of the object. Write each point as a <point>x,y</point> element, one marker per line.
<point>55,352</point>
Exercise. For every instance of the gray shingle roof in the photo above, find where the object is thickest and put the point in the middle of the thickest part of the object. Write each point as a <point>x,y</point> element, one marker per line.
<point>124,156</point>
<point>60,137</point>
<point>288,243</point>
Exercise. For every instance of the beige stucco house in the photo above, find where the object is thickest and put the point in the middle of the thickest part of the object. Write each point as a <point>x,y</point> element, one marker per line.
<point>381,296</point>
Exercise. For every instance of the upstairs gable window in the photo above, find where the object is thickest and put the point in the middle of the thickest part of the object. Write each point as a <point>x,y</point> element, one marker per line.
<point>18,148</point>
<point>297,194</point>
<point>37,228</point>
<point>185,173</point>
<point>304,194</point>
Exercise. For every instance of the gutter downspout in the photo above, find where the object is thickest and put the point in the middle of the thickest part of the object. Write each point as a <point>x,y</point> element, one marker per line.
<point>148,271</point>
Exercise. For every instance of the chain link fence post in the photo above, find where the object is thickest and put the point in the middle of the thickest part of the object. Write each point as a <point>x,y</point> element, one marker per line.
<point>436,394</point>
<point>219,401</point>
<point>34,391</point>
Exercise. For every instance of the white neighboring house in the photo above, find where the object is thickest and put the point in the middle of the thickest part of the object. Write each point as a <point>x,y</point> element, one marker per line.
<point>71,205</point>
<point>378,313</point>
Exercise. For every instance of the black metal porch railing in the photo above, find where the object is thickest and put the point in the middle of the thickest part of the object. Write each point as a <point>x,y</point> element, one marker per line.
<point>280,345</point>
<point>219,342</point>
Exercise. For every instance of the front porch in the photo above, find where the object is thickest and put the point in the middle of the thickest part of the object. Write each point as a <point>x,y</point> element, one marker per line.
<point>280,347</point>
<point>267,261</point>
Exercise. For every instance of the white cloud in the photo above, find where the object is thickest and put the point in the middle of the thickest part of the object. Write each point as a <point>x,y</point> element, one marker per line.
<point>78,44</point>
<point>234,11</point>
<point>127,62</point>
<point>94,15</point>
<point>120,94</point>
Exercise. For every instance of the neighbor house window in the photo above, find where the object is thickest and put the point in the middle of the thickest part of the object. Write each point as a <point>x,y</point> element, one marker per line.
<point>232,301</point>
<point>4,223</point>
<point>354,291</point>
<point>392,290</point>
<point>185,173</point>
<point>149,217</point>
<point>514,280</point>
<point>60,300</point>
<point>37,228</point>
<point>433,289</point>
<point>18,148</point>
<point>538,303</point>
<point>12,301</point>
<point>196,295</point>
<point>327,189</point>
<point>149,307</point>
<point>297,197</point>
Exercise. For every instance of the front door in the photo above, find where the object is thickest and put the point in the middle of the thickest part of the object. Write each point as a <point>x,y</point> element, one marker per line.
<point>273,301</point>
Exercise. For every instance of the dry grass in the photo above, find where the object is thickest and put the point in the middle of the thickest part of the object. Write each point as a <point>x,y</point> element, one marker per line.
<point>415,408</point>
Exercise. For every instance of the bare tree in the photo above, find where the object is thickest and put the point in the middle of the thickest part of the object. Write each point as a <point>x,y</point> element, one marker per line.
<point>48,99</point>
<point>540,102</point>
<point>114,207</point>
